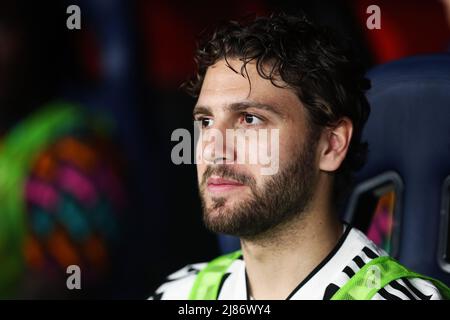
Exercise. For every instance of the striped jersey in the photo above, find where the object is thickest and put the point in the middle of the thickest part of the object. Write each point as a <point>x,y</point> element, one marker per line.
<point>350,254</point>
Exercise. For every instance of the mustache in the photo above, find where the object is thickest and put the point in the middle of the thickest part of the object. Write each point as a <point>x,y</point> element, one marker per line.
<point>227,172</point>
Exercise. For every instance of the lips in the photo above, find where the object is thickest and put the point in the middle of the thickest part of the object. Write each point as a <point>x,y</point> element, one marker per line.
<point>222,185</point>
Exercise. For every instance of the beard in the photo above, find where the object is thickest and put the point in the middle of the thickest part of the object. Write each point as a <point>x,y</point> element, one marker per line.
<point>283,197</point>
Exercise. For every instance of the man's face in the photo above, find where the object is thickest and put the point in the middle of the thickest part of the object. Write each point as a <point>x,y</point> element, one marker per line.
<point>237,199</point>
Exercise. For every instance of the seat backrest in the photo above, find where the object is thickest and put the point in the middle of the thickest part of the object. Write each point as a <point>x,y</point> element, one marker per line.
<point>406,179</point>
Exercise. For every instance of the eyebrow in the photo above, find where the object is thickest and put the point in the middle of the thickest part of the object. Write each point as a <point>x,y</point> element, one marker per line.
<point>201,110</point>
<point>239,107</point>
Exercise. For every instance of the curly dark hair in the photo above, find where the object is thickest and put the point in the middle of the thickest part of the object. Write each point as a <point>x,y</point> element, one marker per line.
<point>313,61</point>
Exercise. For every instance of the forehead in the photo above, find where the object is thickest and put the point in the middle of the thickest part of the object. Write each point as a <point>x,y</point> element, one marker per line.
<point>222,86</point>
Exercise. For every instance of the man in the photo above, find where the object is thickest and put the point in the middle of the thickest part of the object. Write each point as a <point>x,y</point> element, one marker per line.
<point>283,73</point>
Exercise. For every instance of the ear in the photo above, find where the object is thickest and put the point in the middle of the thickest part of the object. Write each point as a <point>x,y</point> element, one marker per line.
<point>334,144</point>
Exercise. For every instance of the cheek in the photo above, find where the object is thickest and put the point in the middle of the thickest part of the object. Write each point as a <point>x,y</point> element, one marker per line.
<point>200,170</point>
<point>291,141</point>
<point>287,149</point>
<point>199,151</point>
<point>200,160</point>
<point>267,151</point>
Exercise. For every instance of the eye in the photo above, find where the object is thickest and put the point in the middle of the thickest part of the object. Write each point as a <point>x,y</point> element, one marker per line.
<point>252,119</point>
<point>206,122</point>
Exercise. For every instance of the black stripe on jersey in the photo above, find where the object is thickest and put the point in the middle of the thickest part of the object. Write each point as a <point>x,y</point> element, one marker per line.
<point>225,276</point>
<point>415,290</point>
<point>370,253</point>
<point>359,262</point>
<point>157,296</point>
<point>387,295</point>
<point>247,291</point>
<point>189,272</point>
<point>330,291</point>
<point>191,269</point>
<point>396,285</point>
<point>348,271</point>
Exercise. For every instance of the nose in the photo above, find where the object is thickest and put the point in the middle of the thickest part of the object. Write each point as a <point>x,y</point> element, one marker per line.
<point>214,146</point>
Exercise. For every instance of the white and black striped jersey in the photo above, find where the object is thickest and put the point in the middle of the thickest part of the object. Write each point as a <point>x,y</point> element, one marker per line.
<point>351,253</point>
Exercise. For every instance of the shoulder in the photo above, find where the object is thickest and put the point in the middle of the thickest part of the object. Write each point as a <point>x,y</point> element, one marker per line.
<point>401,289</point>
<point>177,286</point>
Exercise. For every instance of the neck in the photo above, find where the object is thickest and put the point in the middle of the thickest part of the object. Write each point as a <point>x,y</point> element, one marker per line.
<point>279,260</point>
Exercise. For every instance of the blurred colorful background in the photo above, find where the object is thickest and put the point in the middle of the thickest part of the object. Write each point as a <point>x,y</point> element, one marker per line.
<point>85,123</point>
